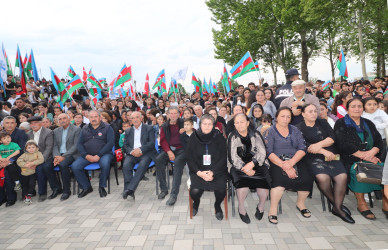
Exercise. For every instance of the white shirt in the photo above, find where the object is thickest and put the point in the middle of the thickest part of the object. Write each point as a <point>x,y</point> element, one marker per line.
<point>380,119</point>
<point>36,135</point>
<point>137,137</point>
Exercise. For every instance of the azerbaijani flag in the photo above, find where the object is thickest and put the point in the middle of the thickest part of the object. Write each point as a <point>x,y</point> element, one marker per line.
<point>171,91</point>
<point>326,85</point>
<point>28,67</point>
<point>59,86</point>
<point>23,77</point>
<point>245,64</point>
<point>255,68</point>
<point>34,68</point>
<point>197,84</point>
<point>227,83</point>
<point>124,76</point>
<point>92,79</point>
<point>147,90</point>
<point>386,91</point>
<point>159,79</point>
<point>73,85</point>
<point>341,65</point>
<point>70,72</point>
<point>206,87</point>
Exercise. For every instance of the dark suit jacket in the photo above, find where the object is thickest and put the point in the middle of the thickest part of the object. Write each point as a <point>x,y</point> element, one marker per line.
<point>147,140</point>
<point>46,142</point>
<point>71,141</point>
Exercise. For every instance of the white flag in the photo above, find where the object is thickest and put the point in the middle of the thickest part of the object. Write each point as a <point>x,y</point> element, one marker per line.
<point>180,74</point>
<point>3,67</point>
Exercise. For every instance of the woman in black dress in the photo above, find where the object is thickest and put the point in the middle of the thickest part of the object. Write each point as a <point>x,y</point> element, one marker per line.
<point>285,148</point>
<point>206,158</point>
<point>322,161</point>
<point>248,165</point>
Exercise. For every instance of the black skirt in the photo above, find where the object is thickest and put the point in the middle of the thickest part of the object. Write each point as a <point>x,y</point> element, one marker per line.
<point>258,180</point>
<point>319,166</point>
<point>304,181</point>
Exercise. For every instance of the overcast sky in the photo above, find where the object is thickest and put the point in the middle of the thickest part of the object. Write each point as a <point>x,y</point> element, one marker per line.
<point>103,35</point>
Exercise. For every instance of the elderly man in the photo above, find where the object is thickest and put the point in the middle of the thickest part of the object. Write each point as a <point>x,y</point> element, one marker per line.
<point>65,150</point>
<point>12,172</point>
<point>44,137</point>
<point>139,147</point>
<point>298,100</point>
<point>286,90</point>
<point>172,151</point>
<point>198,113</point>
<point>94,145</point>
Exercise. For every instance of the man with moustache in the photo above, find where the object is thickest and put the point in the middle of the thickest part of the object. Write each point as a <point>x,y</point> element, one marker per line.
<point>94,145</point>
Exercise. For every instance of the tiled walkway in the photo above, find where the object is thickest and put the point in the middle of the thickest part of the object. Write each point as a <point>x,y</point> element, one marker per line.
<point>147,223</point>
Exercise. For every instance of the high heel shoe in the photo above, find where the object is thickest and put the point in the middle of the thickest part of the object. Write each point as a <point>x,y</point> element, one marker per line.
<point>245,218</point>
<point>347,218</point>
<point>258,214</point>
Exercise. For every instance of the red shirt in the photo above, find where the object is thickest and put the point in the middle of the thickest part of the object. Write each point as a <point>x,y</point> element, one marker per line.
<point>174,138</point>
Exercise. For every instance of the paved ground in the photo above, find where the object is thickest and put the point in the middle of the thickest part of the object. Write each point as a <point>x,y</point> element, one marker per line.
<point>112,223</point>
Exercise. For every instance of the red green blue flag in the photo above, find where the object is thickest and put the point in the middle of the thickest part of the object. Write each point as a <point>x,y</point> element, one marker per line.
<point>74,84</point>
<point>197,84</point>
<point>123,77</point>
<point>9,68</point>
<point>159,79</point>
<point>92,79</point>
<point>34,68</point>
<point>326,85</point>
<point>226,82</point>
<point>243,66</point>
<point>70,72</point>
<point>23,77</point>
<point>341,65</point>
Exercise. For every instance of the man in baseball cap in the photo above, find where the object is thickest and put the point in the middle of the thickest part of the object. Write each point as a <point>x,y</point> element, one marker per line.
<point>286,90</point>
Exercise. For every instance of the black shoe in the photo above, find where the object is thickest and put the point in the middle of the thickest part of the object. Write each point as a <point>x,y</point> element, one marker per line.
<point>42,197</point>
<point>346,210</point>
<point>145,178</point>
<point>131,195</point>
<point>125,194</point>
<point>195,211</point>
<point>65,196</point>
<point>102,192</point>
<point>4,201</point>
<point>55,194</point>
<point>84,192</point>
<point>171,201</point>
<point>10,203</point>
<point>273,219</point>
<point>347,218</point>
<point>162,195</point>
<point>259,215</point>
<point>219,215</point>
<point>245,218</point>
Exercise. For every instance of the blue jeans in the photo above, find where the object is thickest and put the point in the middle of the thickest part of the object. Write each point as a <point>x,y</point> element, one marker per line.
<point>79,173</point>
<point>131,181</point>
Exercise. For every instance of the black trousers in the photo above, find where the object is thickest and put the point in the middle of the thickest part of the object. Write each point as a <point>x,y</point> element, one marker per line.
<point>13,171</point>
<point>28,184</point>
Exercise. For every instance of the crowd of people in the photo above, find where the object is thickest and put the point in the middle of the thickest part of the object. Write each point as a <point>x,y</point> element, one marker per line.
<point>265,139</point>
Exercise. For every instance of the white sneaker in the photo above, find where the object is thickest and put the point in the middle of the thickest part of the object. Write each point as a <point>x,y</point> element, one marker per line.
<point>28,200</point>
<point>18,187</point>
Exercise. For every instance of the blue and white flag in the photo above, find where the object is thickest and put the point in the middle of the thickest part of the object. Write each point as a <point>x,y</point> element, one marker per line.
<point>180,74</point>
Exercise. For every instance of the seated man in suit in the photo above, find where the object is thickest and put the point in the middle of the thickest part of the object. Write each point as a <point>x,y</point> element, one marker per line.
<point>44,137</point>
<point>65,150</point>
<point>139,147</point>
<point>95,144</point>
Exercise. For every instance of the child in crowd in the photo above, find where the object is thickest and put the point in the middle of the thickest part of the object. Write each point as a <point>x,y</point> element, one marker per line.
<point>125,126</point>
<point>266,122</point>
<point>188,126</point>
<point>27,162</point>
<point>8,150</point>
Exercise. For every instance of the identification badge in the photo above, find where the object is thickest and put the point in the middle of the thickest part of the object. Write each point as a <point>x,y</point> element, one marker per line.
<point>207,160</point>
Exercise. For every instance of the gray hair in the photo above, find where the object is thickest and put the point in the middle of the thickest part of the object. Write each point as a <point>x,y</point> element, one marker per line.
<point>207,117</point>
<point>9,118</point>
<point>173,108</point>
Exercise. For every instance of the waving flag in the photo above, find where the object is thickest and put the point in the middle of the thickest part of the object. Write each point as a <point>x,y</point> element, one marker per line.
<point>34,69</point>
<point>180,74</point>
<point>147,90</point>
<point>124,76</point>
<point>102,81</point>
<point>326,85</point>
<point>386,91</point>
<point>23,77</point>
<point>206,87</point>
<point>84,75</point>
<point>28,67</point>
<point>341,65</point>
<point>74,84</point>
<point>9,68</point>
<point>159,79</point>
<point>196,83</point>
<point>3,70</point>
<point>59,86</point>
<point>171,90</point>
<point>25,61</point>
<point>92,79</point>
<point>70,72</point>
<point>226,82</point>
<point>95,93</point>
<point>244,65</point>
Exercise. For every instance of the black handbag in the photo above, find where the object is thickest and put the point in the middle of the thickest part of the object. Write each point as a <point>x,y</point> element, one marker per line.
<point>369,172</point>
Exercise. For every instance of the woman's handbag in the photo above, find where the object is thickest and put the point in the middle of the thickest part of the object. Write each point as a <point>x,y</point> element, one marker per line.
<point>369,172</point>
